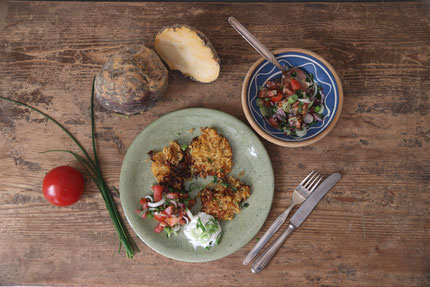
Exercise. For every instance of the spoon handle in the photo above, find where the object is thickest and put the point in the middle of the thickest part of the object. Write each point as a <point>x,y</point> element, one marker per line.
<point>254,42</point>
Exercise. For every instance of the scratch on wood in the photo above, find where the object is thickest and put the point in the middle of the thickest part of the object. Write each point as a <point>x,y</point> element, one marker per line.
<point>363,226</point>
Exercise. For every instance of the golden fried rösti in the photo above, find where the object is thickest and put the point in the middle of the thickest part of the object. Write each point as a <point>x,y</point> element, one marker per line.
<point>211,154</point>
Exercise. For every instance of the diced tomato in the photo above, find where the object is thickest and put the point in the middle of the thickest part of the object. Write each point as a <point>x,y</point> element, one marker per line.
<point>273,122</point>
<point>191,203</point>
<point>184,195</point>
<point>145,214</point>
<point>280,103</point>
<point>173,195</point>
<point>170,210</point>
<point>182,221</point>
<point>144,203</point>
<point>287,92</point>
<point>158,192</point>
<point>266,104</point>
<point>173,220</point>
<point>277,98</point>
<point>262,94</point>
<point>160,216</point>
<point>295,85</point>
<point>271,85</point>
<point>160,227</point>
<point>267,93</point>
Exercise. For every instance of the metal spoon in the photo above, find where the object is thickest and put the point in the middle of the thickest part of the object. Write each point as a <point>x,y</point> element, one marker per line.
<point>255,43</point>
<point>269,56</point>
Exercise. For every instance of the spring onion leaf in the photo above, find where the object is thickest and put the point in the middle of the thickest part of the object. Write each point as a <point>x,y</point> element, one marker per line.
<point>92,167</point>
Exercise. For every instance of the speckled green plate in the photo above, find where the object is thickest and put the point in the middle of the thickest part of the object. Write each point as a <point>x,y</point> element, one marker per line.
<point>249,155</point>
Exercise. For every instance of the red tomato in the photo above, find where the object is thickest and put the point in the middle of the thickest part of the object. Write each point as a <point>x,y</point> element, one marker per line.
<point>277,98</point>
<point>144,203</point>
<point>173,195</point>
<point>262,94</point>
<point>273,122</point>
<point>288,92</point>
<point>295,85</point>
<point>63,186</point>
<point>170,210</point>
<point>160,216</point>
<point>160,227</point>
<point>158,192</point>
<point>271,85</point>
<point>145,214</point>
<point>173,220</point>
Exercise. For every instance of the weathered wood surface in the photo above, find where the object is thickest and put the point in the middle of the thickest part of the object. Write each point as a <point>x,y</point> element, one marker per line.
<point>373,228</point>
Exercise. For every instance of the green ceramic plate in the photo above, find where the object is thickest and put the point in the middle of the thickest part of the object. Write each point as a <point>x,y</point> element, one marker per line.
<point>249,155</point>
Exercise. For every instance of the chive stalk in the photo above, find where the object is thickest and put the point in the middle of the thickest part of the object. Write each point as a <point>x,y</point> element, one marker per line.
<point>92,168</point>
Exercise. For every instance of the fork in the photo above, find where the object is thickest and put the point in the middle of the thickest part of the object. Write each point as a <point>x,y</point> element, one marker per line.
<point>301,192</point>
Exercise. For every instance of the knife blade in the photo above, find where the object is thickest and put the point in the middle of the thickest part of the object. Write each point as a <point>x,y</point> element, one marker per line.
<point>301,214</point>
<point>312,201</point>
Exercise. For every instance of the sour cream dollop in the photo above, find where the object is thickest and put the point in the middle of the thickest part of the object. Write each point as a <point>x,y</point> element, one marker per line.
<point>203,230</point>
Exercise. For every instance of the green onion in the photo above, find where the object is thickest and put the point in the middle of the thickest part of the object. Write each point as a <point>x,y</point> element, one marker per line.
<point>184,147</point>
<point>92,167</point>
<point>205,236</point>
<point>200,225</point>
<point>218,238</point>
<point>317,109</point>
<point>293,98</point>
<point>169,231</point>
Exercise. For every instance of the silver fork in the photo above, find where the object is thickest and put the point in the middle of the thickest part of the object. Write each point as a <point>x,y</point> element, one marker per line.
<point>301,192</point>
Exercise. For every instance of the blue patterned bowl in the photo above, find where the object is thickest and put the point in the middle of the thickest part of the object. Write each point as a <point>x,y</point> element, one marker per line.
<point>325,76</point>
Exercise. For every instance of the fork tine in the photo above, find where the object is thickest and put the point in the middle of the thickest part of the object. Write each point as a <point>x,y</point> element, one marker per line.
<point>308,183</point>
<point>303,181</point>
<point>316,184</point>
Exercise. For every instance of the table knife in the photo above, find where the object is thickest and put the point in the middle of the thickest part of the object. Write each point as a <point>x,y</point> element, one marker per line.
<point>301,214</point>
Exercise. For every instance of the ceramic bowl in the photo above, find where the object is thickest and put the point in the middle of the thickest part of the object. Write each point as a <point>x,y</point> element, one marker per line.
<point>325,76</point>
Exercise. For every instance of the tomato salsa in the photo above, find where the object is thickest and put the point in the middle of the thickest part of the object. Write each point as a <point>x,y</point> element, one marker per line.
<point>167,206</point>
<point>292,103</point>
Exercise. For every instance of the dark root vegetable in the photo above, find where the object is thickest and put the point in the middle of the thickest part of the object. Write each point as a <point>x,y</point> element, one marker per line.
<point>131,81</point>
<point>189,51</point>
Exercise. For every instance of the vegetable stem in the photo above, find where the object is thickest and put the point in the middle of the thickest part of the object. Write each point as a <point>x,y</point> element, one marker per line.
<point>92,167</point>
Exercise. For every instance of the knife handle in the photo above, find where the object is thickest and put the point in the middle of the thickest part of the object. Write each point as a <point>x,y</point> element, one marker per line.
<point>268,234</point>
<point>262,261</point>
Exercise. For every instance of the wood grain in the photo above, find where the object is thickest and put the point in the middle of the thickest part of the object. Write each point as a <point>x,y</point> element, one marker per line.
<point>372,229</point>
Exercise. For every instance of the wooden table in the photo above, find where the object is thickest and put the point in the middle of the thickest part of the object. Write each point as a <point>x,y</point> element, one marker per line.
<point>373,228</point>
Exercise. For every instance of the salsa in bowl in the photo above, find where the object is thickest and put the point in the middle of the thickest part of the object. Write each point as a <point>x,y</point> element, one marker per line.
<point>297,108</point>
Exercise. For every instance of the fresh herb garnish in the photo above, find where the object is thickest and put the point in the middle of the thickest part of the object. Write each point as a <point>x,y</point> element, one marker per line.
<point>218,238</point>
<point>92,168</point>
<point>200,225</point>
<point>169,231</point>
<point>293,74</point>
<point>246,204</point>
<point>184,147</point>
<point>256,239</point>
